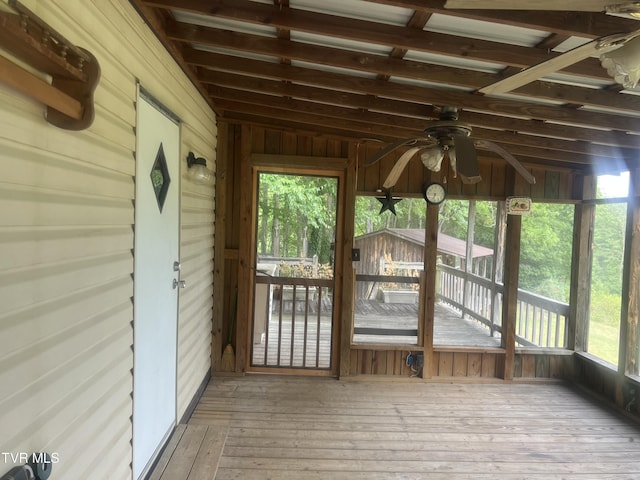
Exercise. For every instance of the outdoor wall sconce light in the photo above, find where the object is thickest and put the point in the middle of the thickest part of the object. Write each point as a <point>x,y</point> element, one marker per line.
<point>198,171</point>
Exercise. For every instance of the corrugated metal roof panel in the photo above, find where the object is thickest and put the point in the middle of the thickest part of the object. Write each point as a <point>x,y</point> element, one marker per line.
<point>425,83</point>
<point>481,30</point>
<point>358,9</point>
<point>235,53</point>
<point>225,23</point>
<point>340,43</point>
<point>457,62</point>
<point>327,68</point>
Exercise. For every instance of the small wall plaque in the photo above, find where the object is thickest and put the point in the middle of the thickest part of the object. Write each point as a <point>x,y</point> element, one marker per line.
<point>518,205</point>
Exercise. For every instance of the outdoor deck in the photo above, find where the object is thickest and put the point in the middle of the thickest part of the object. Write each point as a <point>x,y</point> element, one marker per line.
<point>449,327</point>
<point>311,347</point>
<point>274,427</point>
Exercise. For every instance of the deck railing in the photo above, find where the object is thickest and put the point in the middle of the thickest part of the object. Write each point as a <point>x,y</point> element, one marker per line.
<point>540,321</point>
<point>292,322</point>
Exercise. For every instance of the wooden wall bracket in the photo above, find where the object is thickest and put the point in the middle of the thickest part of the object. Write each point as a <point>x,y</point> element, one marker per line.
<point>74,71</point>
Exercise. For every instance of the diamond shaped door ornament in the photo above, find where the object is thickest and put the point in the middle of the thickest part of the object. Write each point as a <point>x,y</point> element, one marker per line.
<point>160,177</point>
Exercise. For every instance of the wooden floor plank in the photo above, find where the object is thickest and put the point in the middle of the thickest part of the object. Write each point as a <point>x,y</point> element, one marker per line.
<point>277,427</point>
<point>170,448</point>
<point>593,468</point>
<point>206,463</point>
<point>185,453</point>
<point>242,474</point>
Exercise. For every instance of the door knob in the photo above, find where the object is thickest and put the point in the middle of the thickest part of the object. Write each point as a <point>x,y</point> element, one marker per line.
<point>179,283</point>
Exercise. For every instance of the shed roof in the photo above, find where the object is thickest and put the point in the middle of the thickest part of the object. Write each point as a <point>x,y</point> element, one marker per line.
<point>446,243</point>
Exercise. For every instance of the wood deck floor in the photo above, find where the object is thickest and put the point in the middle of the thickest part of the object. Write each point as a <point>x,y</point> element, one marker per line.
<point>275,427</point>
<point>310,350</point>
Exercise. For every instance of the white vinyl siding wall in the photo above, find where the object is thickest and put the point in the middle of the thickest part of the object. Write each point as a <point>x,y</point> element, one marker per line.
<point>66,250</point>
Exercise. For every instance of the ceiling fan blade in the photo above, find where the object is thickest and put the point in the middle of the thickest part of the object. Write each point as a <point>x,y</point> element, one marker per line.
<point>511,160</point>
<point>400,165</point>
<point>567,5</point>
<point>464,159</point>
<point>598,46</point>
<point>394,146</point>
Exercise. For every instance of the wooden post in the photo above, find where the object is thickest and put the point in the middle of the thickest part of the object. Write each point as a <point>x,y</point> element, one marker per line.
<point>580,292</point>
<point>430,258</point>
<point>498,260</point>
<point>628,360</point>
<point>245,251</point>
<point>222,161</point>
<point>468,261</point>
<point>348,280</point>
<point>510,304</point>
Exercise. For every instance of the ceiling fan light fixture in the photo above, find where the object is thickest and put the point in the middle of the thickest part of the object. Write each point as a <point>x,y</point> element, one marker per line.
<point>628,8</point>
<point>432,158</point>
<point>623,64</point>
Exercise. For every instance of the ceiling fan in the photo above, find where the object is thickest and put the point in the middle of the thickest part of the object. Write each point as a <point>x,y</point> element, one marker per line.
<point>450,137</point>
<point>619,68</point>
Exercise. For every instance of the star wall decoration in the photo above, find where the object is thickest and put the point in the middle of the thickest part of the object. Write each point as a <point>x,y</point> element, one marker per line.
<point>388,203</point>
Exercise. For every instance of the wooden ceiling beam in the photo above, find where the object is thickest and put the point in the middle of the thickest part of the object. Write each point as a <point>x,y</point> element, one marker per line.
<point>393,67</point>
<point>584,24</point>
<point>410,126</point>
<point>385,96</point>
<point>420,115</point>
<point>158,21</point>
<point>295,111</point>
<point>306,129</point>
<point>413,93</point>
<point>320,95</point>
<point>377,33</point>
<point>348,127</point>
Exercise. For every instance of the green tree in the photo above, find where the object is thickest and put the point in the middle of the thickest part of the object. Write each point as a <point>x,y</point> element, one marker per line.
<point>454,216</point>
<point>410,213</point>
<point>295,211</point>
<point>608,248</point>
<point>545,250</point>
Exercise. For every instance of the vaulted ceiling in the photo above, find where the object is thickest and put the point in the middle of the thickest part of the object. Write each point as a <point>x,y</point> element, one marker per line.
<point>382,70</point>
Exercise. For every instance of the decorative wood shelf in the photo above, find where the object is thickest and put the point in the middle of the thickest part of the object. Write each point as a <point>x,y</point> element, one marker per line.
<point>74,71</point>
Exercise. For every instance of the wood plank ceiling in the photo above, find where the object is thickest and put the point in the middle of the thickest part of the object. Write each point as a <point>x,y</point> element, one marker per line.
<point>382,69</point>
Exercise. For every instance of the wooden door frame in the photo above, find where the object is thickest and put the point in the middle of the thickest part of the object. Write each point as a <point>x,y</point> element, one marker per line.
<point>296,165</point>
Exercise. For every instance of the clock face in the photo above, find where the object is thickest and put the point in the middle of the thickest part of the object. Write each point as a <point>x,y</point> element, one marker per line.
<point>434,193</point>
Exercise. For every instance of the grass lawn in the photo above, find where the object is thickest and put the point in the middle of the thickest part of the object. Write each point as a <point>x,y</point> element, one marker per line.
<point>603,341</point>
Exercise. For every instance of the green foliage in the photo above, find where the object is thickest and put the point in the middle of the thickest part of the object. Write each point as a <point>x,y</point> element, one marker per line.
<point>453,219</point>
<point>608,247</point>
<point>454,215</point>
<point>485,225</point>
<point>604,340</point>
<point>605,308</point>
<point>410,213</point>
<point>546,249</point>
<point>292,207</point>
<point>606,280</point>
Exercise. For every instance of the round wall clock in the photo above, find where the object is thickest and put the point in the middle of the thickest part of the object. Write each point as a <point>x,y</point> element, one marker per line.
<point>434,193</point>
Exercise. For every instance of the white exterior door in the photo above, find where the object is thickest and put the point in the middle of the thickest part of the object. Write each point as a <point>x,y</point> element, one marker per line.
<point>155,295</point>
